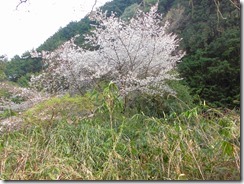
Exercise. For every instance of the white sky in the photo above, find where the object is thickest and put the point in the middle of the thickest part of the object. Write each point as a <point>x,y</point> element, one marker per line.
<point>33,22</point>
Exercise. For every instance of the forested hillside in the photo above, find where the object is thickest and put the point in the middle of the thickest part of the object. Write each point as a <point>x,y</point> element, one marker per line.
<point>211,37</point>
<point>210,32</point>
<point>138,90</point>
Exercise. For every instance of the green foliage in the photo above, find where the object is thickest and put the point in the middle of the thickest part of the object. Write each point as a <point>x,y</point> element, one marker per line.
<point>19,67</point>
<point>118,6</point>
<point>214,73</point>
<point>4,93</point>
<point>130,11</point>
<point>166,5</point>
<point>56,108</point>
<point>199,144</point>
<point>83,26</point>
<point>100,136</point>
<point>211,38</point>
<point>183,97</point>
<point>175,16</point>
<point>64,34</point>
<point>157,105</point>
<point>24,80</point>
<point>2,74</point>
<point>147,4</point>
<point>7,113</point>
<point>17,99</point>
<point>212,64</point>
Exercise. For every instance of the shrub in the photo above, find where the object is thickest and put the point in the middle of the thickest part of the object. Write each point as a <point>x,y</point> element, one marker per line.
<point>159,105</point>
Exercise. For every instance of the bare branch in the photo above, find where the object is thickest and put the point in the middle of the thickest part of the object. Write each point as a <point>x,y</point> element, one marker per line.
<point>217,3</point>
<point>24,1</point>
<point>21,1</point>
<point>236,4</point>
<point>93,6</point>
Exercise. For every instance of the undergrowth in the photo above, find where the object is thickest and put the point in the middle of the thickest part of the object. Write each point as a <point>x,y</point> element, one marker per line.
<point>90,138</point>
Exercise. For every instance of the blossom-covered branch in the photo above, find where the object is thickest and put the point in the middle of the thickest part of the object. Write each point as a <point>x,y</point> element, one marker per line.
<point>138,55</point>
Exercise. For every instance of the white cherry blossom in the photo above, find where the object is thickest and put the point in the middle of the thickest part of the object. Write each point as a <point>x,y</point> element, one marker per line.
<point>136,55</point>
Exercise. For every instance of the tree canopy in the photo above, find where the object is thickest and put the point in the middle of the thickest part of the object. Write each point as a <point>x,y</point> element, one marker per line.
<point>137,56</point>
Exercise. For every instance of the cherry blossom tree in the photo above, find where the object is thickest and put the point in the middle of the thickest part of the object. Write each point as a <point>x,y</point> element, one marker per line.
<point>138,55</point>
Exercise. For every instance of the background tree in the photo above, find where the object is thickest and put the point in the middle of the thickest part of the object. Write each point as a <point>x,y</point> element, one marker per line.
<point>3,60</point>
<point>212,43</point>
<point>19,67</point>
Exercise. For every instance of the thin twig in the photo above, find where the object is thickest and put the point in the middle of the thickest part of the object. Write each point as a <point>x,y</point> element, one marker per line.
<point>93,6</point>
<point>236,5</point>
<point>218,9</point>
<point>21,1</point>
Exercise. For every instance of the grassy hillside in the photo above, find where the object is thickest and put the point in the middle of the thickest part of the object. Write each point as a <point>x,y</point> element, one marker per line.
<point>91,137</point>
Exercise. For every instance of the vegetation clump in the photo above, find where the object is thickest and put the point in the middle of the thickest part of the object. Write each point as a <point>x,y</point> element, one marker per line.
<point>201,143</point>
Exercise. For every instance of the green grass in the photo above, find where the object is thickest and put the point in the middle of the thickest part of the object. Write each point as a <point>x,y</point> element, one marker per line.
<point>7,113</point>
<point>4,93</point>
<point>199,144</point>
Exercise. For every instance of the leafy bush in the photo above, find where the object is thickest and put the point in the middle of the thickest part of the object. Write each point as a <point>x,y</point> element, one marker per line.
<point>24,80</point>
<point>157,105</point>
<point>2,76</point>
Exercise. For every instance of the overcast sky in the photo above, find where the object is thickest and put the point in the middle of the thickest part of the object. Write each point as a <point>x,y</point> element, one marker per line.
<point>33,22</point>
